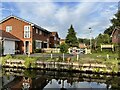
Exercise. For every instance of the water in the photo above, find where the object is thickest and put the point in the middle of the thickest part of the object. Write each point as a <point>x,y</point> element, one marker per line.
<point>21,79</point>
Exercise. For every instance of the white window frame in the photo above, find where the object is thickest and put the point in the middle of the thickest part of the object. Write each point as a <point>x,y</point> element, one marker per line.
<point>118,35</point>
<point>40,32</point>
<point>55,38</point>
<point>8,28</point>
<point>27,31</point>
<point>36,30</point>
<point>38,44</point>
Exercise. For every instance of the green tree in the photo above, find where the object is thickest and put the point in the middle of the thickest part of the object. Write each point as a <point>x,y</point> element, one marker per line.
<point>63,48</point>
<point>103,39</point>
<point>109,30</point>
<point>71,39</point>
<point>115,23</point>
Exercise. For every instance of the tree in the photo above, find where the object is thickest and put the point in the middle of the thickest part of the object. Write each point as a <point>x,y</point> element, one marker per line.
<point>63,48</point>
<point>109,30</point>
<point>115,23</point>
<point>71,39</point>
<point>103,39</point>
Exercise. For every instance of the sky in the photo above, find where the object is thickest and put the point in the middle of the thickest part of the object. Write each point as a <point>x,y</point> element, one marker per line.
<point>59,15</point>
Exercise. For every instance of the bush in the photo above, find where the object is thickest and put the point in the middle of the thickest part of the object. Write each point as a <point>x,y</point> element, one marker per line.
<point>63,48</point>
<point>37,50</point>
<point>30,62</point>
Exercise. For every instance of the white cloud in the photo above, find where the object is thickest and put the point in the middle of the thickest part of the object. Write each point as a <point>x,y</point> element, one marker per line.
<point>55,17</point>
<point>60,0</point>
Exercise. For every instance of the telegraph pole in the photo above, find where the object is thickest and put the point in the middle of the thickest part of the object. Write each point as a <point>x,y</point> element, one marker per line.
<point>90,39</point>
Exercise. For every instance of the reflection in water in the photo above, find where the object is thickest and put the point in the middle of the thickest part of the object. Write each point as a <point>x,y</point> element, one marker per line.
<point>29,79</point>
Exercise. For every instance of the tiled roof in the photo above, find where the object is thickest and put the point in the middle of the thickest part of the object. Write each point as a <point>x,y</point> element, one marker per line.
<point>12,16</point>
<point>4,34</point>
<point>54,34</point>
<point>117,28</point>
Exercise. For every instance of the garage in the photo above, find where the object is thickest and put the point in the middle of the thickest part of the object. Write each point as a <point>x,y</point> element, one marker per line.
<point>9,47</point>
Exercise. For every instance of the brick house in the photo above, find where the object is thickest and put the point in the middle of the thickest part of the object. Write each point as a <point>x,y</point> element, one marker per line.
<point>54,40</point>
<point>82,45</point>
<point>30,35</point>
<point>116,35</point>
<point>62,41</point>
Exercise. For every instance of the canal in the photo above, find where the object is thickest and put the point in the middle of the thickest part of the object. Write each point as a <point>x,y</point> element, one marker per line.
<point>23,79</point>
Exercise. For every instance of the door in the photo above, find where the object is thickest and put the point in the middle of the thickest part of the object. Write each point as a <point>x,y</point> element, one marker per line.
<point>27,49</point>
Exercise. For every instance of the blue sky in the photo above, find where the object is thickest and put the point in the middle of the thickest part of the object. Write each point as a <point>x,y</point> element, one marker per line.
<point>58,16</point>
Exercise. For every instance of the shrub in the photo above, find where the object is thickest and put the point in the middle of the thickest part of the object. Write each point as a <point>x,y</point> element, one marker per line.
<point>30,73</point>
<point>63,48</point>
<point>38,51</point>
<point>29,62</point>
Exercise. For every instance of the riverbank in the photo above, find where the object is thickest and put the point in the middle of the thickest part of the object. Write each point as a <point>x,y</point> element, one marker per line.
<point>85,64</point>
<point>61,66</point>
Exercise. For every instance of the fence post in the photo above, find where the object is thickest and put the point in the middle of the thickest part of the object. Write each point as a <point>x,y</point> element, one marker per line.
<point>107,56</point>
<point>77,57</point>
<point>63,57</point>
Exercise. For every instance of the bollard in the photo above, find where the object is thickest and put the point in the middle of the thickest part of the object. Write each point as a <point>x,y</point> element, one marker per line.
<point>77,57</point>
<point>51,55</point>
<point>28,54</point>
<point>107,56</point>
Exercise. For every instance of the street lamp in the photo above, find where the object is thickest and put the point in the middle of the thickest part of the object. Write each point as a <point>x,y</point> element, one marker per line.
<point>90,38</point>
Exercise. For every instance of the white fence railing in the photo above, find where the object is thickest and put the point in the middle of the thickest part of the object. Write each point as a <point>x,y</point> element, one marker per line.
<point>51,50</point>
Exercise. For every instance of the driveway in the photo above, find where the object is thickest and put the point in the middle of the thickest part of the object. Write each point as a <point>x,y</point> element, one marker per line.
<point>49,55</point>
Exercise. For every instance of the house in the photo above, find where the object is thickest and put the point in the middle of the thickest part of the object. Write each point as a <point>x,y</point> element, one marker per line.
<point>82,46</point>
<point>29,35</point>
<point>8,42</point>
<point>54,40</point>
<point>116,35</point>
<point>62,41</point>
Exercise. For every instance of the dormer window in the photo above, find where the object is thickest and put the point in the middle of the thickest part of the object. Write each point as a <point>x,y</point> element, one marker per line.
<point>8,28</point>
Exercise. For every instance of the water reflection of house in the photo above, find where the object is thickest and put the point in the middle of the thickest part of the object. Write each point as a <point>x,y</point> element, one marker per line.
<point>25,82</point>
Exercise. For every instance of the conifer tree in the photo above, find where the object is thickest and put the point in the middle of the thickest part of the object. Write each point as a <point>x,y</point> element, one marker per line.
<point>71,39</point>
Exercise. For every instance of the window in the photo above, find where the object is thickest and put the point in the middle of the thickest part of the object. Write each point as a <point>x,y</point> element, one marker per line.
<point>40,32</point>
<point>118,35</point>
<point>8,28</point>
<point>115,37</point>
<point>38,44</point>
<point>55,38</point>
<point>27,31</point>
<point>37,31</point>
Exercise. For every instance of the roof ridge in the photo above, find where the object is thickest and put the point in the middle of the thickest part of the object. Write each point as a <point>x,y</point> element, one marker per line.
<point>32,24</point>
